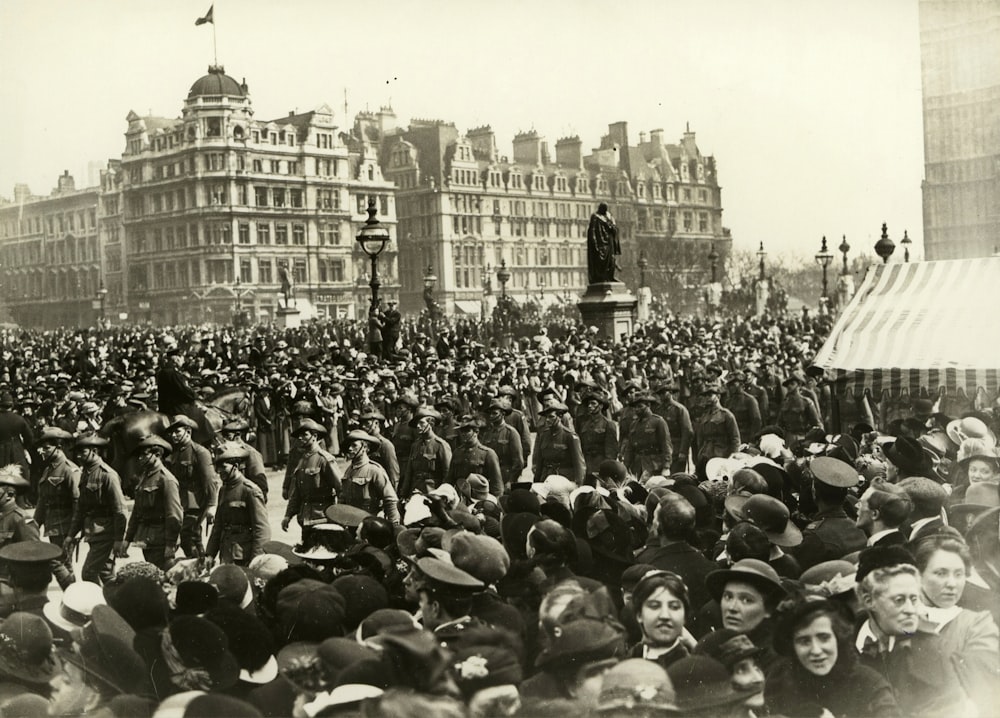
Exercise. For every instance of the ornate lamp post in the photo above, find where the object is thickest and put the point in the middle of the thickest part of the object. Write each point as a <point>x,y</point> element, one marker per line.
<point>643,263</point>
<point>373,238</point>
<point>823,259</point>
<point>906,242</point>
<point>884,247</point>
<point>761,255</point>
<point>713,258</point>
<point>844,249</point>
<point>503,308</point>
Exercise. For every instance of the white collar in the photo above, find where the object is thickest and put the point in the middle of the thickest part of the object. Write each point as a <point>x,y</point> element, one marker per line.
<point>920,523</point>
<point>866,635</point>
<point>265,674</point>
<point>876,536</point>
<point>651,653</point>
<point>941,617</point>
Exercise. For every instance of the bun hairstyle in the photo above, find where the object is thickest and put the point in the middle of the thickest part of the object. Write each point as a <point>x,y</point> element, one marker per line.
<point>653,581</point>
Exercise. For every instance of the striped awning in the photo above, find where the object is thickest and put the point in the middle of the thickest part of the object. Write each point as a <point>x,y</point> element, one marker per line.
<point>916,327</point>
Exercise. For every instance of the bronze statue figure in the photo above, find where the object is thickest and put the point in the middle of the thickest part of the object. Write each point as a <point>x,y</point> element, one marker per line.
<point>287,288</point>
<point>602,246</point>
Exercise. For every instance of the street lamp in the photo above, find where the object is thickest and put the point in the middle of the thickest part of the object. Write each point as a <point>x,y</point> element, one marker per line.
<point>239,292</point>
<point>503,306</point>
<point>761,254</point>
<point>884,247</point>
<point>906,242</point>
<point>373,238</point>
<point>713,257</point>
<point>102,295</point>
<point>844,249</point>
<point>823,259</point>
<point>503,276</point>
<point>643,263</point>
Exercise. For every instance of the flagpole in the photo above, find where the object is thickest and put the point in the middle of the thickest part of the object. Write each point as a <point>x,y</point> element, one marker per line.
<point>215,45</point>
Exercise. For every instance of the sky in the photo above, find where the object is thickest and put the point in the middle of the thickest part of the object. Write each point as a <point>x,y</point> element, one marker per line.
<point>811,108</point>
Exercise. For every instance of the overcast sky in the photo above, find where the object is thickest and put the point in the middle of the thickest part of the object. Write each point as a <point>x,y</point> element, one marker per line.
<point>812,109</point>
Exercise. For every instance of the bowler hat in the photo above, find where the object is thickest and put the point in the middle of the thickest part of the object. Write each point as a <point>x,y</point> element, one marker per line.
<point>908,455</point>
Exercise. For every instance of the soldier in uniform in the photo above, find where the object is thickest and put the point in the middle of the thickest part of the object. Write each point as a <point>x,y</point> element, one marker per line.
<point>156,517</point>
<point>831,534</point>
<point>505,442</point>
<point>241,528</point>
<point>471,457</point>
<point>15,524</point>
<point>715,430</point>
<point>446,593</point>
<point>299,412</point>
<point>797,414</point>
<point>366,484</point>
<point>754,389</point>
<point>517,418</point>
<point>385,453</point>
<point>598,434</point>
<point>678,424</point>
<point>316,481</point>
<point>629,390</point>
<point>430,456</point>
<point>743,407</point>
<point>58,493</point>
<point>648,449</point>
<point>191,465</point>
<point>27,565</point>
<point>447,428</point>
<point>233,432</point>
<point>100,512</point>
<point>557,449</point>
<point>403,433</point>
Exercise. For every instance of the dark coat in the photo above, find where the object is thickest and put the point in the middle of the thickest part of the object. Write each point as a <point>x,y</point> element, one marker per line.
<point>684,560</point>
<point>850,690</point>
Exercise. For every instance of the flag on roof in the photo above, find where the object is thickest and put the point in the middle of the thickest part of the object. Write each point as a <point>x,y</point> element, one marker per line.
<point>207,18</point>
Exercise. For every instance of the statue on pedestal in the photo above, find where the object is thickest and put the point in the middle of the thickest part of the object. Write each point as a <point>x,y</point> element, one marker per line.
<point>287,288</point>
<point>602,246</point>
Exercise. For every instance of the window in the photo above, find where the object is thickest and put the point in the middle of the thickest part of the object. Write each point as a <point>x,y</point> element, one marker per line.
<point>329,233</point>
<point>263,233</point>
<point>337,270</point>
<point>275,166</point>
<point>687,221</point>
<point>324,199</point>
<point>241,190</point>
<point>281,234</point>
<point>244,233</point>
<point>293,167</point>
<point>362,204</point>
<point>218,194</point>
<point>298,234</point>
<point>258,165</point>
<point>702,221</point>
<point>214,160</point>
<point>264,273</point>
<point>260,195</point>
<point>214,127</point>
<point>295,197</point>
<point>299,271</point>
<point>279,197</point>
<point>245,271</point>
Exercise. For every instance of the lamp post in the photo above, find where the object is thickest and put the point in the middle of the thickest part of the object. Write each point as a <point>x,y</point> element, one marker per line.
<point>102,295</point>
<point>884,247</point>
<point>373,238</point>
<point>503,307</point>
<point>761,254</point>
<point>713,258</point>
<point>823,259</point>
<point>844,249</point>
<point>643,263</point>
<point>906,242</point>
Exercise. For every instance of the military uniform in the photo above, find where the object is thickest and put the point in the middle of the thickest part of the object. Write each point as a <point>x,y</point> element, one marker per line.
<point>367,486</point>
<point>681,432</point>
<point>796,416</point>
<point>716,434</point>
<point>316,484</point>
<point>403,438</point>
<point>58,493</point>
<point>745,410</point>
<point>519,421</point>
<point>648,450</point>
<point>100,515</point>
<point>557,451</point>
<point>831,535</point>
<point>385,456</point>
<point>598,440</point>
<point>16,525</point>
<point>427,464</point>
<point>157,515</point>
<point>506,443</point>
<point>474,458</point>
<point>191,465</point>
<point>241,527</point>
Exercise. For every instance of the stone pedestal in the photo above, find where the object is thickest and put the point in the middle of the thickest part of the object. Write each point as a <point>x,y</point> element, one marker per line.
<point>611,308</point>
<point>288,318</point>
<point>645,302</point>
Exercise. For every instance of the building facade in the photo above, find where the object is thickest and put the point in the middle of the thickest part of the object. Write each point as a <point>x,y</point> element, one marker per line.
<point>463,208</point>
<point>205,214</point>
<point>960,67</point>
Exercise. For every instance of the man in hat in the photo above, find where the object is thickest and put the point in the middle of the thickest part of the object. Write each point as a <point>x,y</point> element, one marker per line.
<point>299,412</point>
<point>446,593</point>
<point>647,451</point>
<point>241,528</point>
<point>174,394</point>
<point>385,453</point>
<point>15,436</point>
<point>191,465</point>
<point>743,407</point>
<point>403,433</point>
<point>157,515</point>
<point>471,457</point>
<point>517,418</point>
<point>557,449</point>
<point>796,414</point>
<point>233,432</point>
<point>58,493</point>
<point>598,434</point>
<point>716,433</point>
<point>100,512</point>
<point>316,480</point>
<point>27,566</point>
<point>447,428</point>
<point>430,456</point>
<point>391,321</point>
<point>831,534</point>
<point>15,524</point>
<point>504,440</point>
<point>678,424</point>
<point>366,484</point>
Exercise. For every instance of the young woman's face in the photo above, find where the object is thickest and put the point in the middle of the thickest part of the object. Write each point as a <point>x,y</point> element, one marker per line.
<point>943,580</point>
<point>816,646</point>
<point>661,618</point>
<point>743,607</point>
<point>981,471</point>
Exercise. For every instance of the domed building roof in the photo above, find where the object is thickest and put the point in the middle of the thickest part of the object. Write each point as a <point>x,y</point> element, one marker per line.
<point>217,83</point>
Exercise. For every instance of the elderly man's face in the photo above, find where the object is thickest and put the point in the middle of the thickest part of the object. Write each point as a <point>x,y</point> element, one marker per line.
<point>895,606</point>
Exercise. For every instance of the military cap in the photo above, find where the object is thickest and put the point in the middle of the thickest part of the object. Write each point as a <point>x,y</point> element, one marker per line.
<point>372,415</point>
<point>181,420</point>
<point>501,404</point>
<point>308,425</point>
<point>424,412</point>
<point>346,515</point>
<point>89,440</point>
<point>236,425</point>
<point>153,441</point>
<point>643,399</point>
<point>231,451</point>
<point>359,435</point>
<point>444,575</point>
<point>469,422</point>
<point>833,472</point>
<point>712,387</point>
<point>556,407</point>
<point>30,552</point>
<point>10,475</point>
<point>53,434</point>
<point>600,398</point>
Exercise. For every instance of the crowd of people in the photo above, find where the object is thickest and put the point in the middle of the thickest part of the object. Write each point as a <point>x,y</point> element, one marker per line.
<point>690,522</point>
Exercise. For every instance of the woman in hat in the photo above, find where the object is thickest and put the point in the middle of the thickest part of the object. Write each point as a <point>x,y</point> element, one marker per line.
<point>156,518</point>
<point>747,595</point>
<point>27,661</point>
<point>978,463</point>
<point>970,638</point>
<point>739,655</point>
<point>241,526</point>
<point>820,670</point>
<point>661,606</point>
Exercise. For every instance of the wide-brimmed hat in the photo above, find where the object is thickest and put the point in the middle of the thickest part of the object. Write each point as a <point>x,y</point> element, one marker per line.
<point>180,420</point>
<point>583,641</point>
<point>90,440</point>
<point>796,377</point>
<point>908,455</point>
<point>232,451</point>
<point>153,441</point>
<point>424,412</point>
<point>309,425</point>
<point>969,427</point>
<point>109,661</point>
<point>979,498</point>
<point>53,435</point>
<point>10,475</point>
<point>595,396</point>
<point>26,648</point>
<point>637,684</point>
<point>769,514</point>
<point>359,435</point>
<point>555,407</point>
<point>198,644</point>
<point>643,398</point>
<point>76,605</point>
<point>757,573</point>
<point>830,578</point>
<point>701,682</point>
